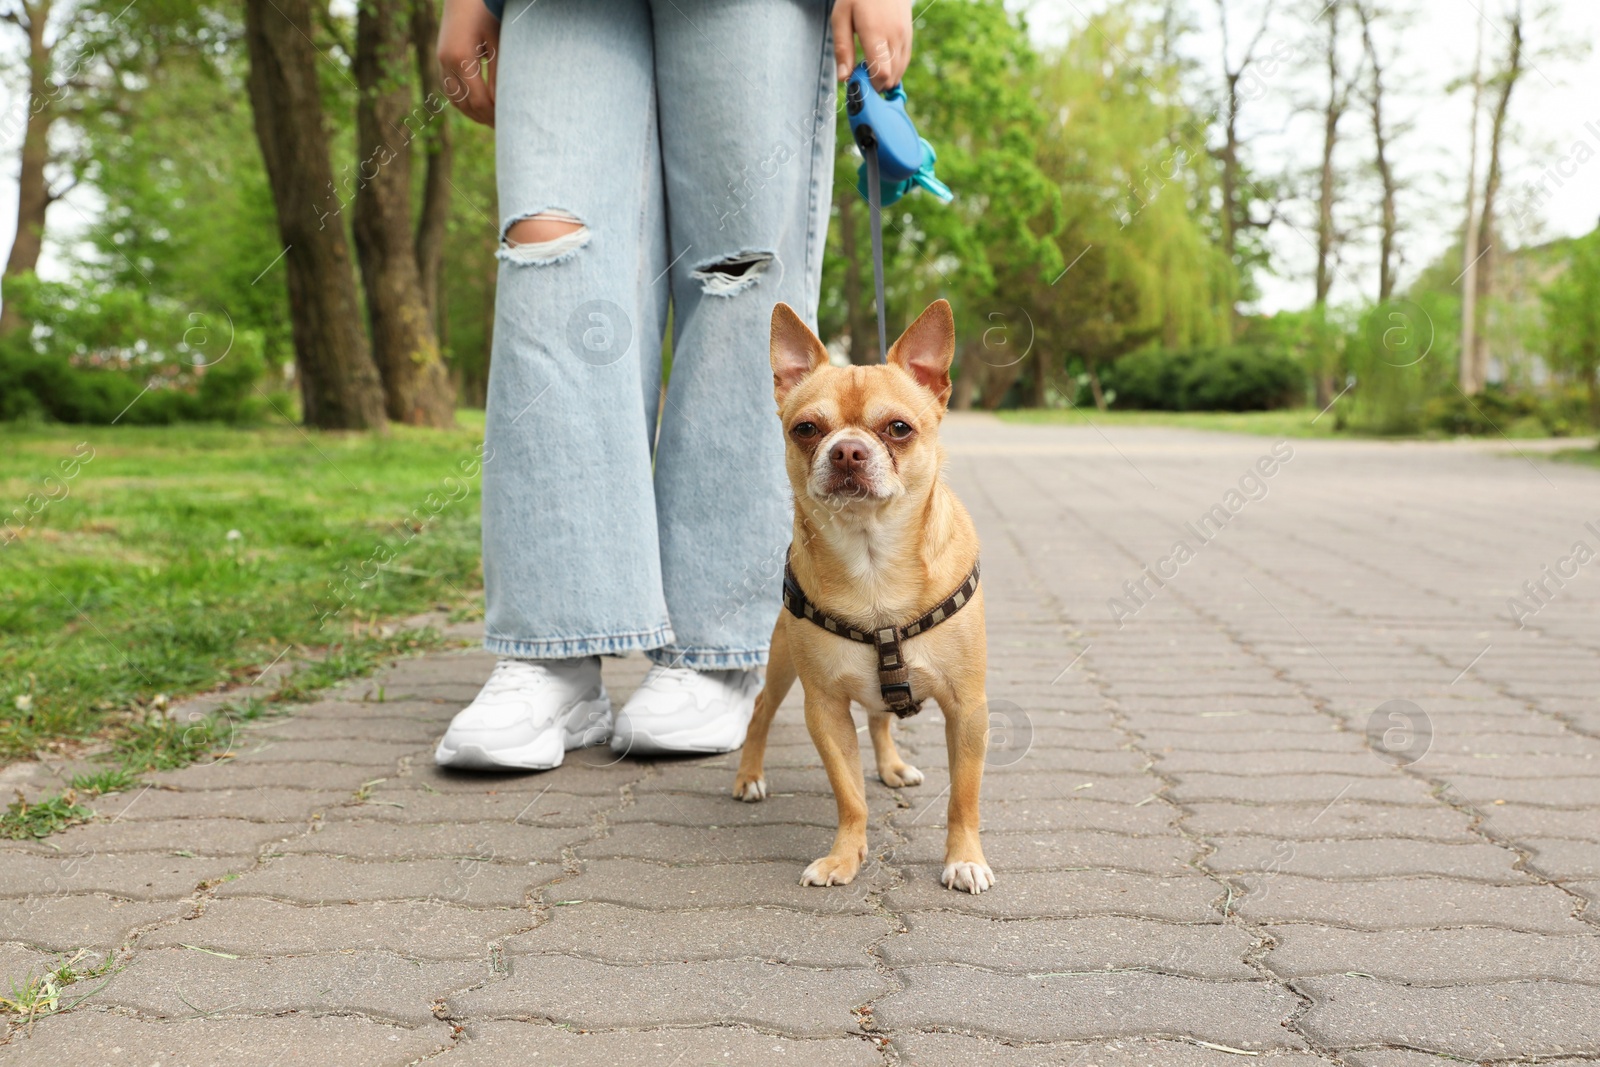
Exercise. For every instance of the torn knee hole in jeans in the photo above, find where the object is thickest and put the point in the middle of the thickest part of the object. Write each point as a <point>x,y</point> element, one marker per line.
<point>734,274</point>
<point>542,237</point>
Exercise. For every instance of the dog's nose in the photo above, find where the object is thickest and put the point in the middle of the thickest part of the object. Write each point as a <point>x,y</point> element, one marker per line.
<point>848,455</point>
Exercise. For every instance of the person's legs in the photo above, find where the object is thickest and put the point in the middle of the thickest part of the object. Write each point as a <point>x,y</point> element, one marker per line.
<point>747,108</point>
<point>570,556</point>
<point>746,96</point>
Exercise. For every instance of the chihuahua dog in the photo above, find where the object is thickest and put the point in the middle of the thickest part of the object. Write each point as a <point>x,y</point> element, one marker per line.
<point>881,597</point>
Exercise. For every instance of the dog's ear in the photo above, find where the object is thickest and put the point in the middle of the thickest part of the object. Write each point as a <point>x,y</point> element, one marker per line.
<point>925,350</point>
<point>796,352</point>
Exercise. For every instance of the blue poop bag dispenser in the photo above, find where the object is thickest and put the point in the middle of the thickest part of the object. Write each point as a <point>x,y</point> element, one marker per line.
<point>895,159</point>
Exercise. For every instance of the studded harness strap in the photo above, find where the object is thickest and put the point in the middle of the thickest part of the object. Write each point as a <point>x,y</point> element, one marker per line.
<point>894,676</point>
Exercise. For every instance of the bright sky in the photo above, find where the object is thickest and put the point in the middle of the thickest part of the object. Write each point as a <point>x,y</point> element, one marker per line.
<point>1553,110</point>
<point>1555,122</point>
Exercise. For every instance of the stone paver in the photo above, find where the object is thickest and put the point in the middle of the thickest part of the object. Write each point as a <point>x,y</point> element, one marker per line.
<point>175,983</point>
<point>252,926</point>
<point>495,1044</point>
<point>1250,1015</point>
<point>65,922</point>
<point>1435,957</point>
<point>102,1037</point>
<point>475,880</point>
<point>615,934</point>
<point>786,998</point>
<point>1475,1022</point>
<point>929,1049</point>
<point>1102,943</point>
<point>1203,850</point>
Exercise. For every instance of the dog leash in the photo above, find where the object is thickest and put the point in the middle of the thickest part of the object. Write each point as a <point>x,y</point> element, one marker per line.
<point>894,160</point>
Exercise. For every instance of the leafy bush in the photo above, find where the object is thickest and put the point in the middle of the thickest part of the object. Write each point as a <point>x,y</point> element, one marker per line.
<point>111,356</point>
<point>1403,356</point>
<point>1496,411</point>
<point>1572,310</point>
<point>1232,378</point>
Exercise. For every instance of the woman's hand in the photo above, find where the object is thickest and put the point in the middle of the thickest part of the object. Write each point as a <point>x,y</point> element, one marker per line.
<point>884,27</point>
<point>469,40</point>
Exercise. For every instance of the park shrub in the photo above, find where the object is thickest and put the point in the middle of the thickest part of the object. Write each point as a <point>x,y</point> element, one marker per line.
<point>1401,357</point>
<point>1230,378</point>
<point>95,358</point>
<point>1497,411</point>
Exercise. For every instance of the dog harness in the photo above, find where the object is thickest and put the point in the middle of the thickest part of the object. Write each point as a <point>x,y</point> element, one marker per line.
<point>894,676</point>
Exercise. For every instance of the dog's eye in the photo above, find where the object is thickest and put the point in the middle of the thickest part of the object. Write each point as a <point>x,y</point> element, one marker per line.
<point>899,429</point>
<point>804,430</point>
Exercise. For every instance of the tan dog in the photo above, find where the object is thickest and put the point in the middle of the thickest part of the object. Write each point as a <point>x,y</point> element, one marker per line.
<point>879,540</point>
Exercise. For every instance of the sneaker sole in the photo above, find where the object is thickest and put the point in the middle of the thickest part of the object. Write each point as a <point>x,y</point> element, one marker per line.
<point>709,739</point>
<point>538,754</point>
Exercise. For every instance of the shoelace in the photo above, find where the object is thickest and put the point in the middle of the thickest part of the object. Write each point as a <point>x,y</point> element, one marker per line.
<point>509,676</point>
<point>670,676</point>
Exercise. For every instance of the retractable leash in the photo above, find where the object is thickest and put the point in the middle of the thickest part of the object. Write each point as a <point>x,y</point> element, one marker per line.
<point>895,160</point>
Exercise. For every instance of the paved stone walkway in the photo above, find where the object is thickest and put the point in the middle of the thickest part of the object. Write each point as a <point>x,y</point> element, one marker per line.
<point>1203,852</point>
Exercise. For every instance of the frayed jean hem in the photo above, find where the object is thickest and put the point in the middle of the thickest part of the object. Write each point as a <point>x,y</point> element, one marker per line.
<point>576,647</point>
<point>708,659</point>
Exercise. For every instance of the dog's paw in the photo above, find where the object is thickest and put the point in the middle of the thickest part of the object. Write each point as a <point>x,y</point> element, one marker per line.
<point>895,777</point>
<point>968,877</point>
<point>750,790</point>
<point>831,870</point>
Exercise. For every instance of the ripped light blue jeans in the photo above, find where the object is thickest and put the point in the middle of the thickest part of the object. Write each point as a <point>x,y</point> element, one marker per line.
<point>693,141</point>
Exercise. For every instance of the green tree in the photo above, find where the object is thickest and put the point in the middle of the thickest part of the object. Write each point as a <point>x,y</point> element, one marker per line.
<point>82,58</point>
<point>1572,308</point>
<point>971,94</point>
<point>187,218</point>
<point>466,289</point>
<point>1135,180</point>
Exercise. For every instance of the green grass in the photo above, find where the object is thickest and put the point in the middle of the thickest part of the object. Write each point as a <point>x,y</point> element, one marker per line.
<point>1587,456</point>
<point>34,996</point>
<point>178,559</point>
<point>23,821</point>
<point>110,780</point>
<point>1289,422</point>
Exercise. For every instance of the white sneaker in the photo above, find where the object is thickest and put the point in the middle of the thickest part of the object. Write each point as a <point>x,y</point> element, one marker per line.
<point>676,709</point>
<point>528,714</point>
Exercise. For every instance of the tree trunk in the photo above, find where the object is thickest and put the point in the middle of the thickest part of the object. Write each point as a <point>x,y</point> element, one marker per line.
<point>416,385</point>
<point>859,324</point>
<point>33,195</point>
<point>966,385</point>
<point>1230,202</point>
<point>339,385</point>
<point>1327,191</point>
<point>961,393</point>
<point>997,382</point>
<point>1491,190</point>
<point>1594,393</point>
<point>1386,179</point>
<point>440,153</point>
<point>1467,382</point>
<point>491,280</point>
<point>1234,214</point>
<point>1041,376</point>
<point>1092,368</point>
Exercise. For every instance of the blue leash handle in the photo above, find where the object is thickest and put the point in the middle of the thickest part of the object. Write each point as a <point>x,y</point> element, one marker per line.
<point>880,124</point>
